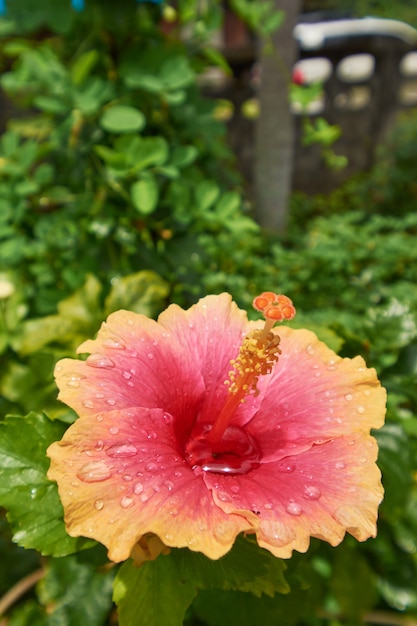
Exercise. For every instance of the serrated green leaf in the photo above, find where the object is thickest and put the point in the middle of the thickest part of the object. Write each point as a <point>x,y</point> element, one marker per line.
<point>122,119</point>
<point>32,501</point>
<point>247,567</point>
<point>353,583</point>
<point>145,195</point>
<point>395,462</point>
<point>153,592</point>
<point>76,593</point>
<point>143,292</point>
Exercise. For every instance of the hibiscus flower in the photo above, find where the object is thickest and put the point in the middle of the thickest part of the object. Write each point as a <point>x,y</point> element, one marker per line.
<point>201,425</point>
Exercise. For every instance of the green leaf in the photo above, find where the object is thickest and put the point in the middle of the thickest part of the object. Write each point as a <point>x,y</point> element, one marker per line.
<point>182,156</point>
<point>247,567</point>
<point>76,593</point>
<point>145,195</point>
<point>353,583</point>
<point>395,462</point>
<point>176,72</point>
<point>154,592</point>
<point>144,292</point>
<point>83,65</point>
<point>206,194</point>
<point>32,501</point>
<point>143,152</point>
<point>122,119</point>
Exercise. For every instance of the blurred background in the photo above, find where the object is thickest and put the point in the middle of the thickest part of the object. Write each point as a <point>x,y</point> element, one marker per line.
<point>154,152</point>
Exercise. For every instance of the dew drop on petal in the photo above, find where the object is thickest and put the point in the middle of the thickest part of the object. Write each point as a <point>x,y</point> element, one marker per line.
<point>178,474</point>
<point>126,502</point>
<point>286,467</point>
<point>294,509</point>
<point>115,344</point>
<point>268,506</point>
<point>88,404</point>
<point>340,465</point>
<point>113,430</point>
<point>138,488</point>
<point>349,397</point>
<point>312,493</point>
<point>310,350</point>
<point>151,467</point>
<point>150,355</point>
<point>122,451</point>
<point>94,472</point>
<point>127,478</point>
<point>111,401</point>
<point>169,485</point>
<point>74,381</point>
<point>126,375</point>
<point>98,504</point>
<point>100,360</point>
<point>360,409</point>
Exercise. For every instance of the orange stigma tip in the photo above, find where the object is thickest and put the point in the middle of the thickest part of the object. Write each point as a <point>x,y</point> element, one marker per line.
<point>276,307</point>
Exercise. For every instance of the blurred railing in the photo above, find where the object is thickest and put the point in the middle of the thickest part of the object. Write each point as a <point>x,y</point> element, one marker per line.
<point>368,69</point>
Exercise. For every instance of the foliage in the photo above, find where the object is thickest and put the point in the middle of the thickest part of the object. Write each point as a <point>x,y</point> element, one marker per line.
<point>117,190</point>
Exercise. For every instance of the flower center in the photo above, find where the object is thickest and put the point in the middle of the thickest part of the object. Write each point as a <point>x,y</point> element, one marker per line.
<point>221,447</point>
<point>236,453</point>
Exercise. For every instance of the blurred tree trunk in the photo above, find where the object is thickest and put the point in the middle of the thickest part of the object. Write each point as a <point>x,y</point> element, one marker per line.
<point>274,141</point>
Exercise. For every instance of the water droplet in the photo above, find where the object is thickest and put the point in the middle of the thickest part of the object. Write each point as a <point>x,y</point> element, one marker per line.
<point>99,445</point>
<point>126,502</point>
<point>235,488</point>
<point>74,381</point>
<point>224,497</point>
<point>126,375</point>
<point>122,451</point>
<point>340,465</point>
<point>367,392</point>
<point>111,402</point>
<point>127,477</point>
<point>113,430</point>
<point>152,435</point>
<point>150,355</point>
<point>178,474</point>
<point>143,497</point>
<point>286,466</point>
<point>349,397</point>
<point>360,409</point>
<point>173,512</point>
<point>169,485</point>
<point>294,509</point>
<point>268,506</point>
<point>88,404</point>
<point>138,488</point>
<point>310,350</point>
<point>312,493</point>
<point>151,467</point>
<point>100,360</point>
<point>98,504</point>
<point>114,344</point>
<point>94,472</point>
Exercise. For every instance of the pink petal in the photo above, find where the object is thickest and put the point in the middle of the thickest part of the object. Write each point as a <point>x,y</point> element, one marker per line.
<point>133,362</point>
<point>322,492</point>
<point>120,476</point>
<point>313,395</point>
